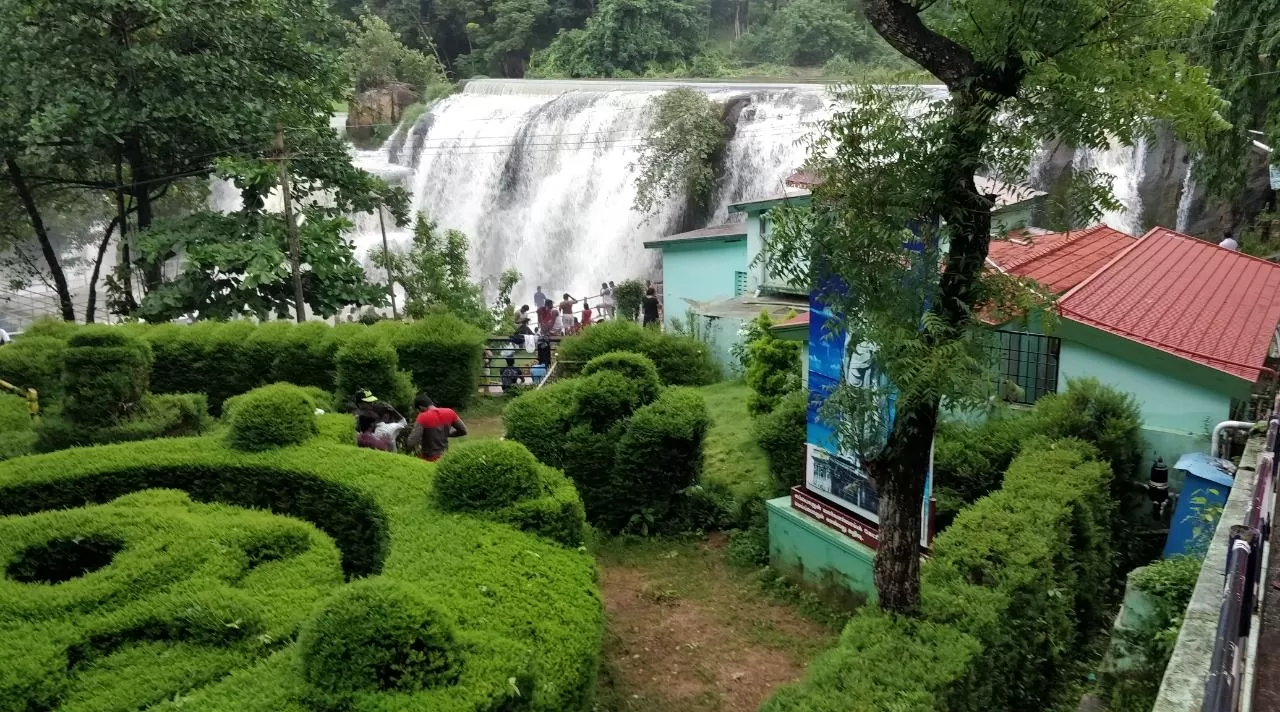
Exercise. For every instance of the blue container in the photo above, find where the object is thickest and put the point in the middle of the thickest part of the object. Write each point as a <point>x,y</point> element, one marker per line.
<point>1206,484</point>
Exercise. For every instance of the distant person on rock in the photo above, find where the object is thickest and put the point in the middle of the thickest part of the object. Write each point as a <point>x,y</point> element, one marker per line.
<point>1229,242</point>
<point>433,428</point>
<point>651,308</point>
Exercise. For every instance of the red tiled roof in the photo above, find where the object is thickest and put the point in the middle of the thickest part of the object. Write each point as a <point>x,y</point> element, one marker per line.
<point>1187,297</point>
<point>801,319</point>
<point>803,179</point>
<point>1059,260</point>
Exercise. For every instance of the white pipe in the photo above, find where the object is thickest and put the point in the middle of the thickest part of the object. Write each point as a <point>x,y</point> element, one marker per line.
<point>1225,425</point>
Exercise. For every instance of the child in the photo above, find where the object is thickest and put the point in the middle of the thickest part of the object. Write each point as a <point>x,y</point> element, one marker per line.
<point>510,375</point>
<point>366,436</point>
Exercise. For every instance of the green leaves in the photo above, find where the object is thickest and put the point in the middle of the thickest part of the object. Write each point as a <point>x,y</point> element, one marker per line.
<point>678,151</point>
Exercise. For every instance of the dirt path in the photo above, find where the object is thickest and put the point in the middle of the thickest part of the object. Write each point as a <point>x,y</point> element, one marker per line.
<point>687,633</point>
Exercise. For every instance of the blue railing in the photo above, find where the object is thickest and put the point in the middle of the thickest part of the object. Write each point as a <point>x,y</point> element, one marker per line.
<point>1243,577</point>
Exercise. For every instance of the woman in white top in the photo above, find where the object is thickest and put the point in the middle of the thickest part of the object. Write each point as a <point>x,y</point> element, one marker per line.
<point>606,301</point>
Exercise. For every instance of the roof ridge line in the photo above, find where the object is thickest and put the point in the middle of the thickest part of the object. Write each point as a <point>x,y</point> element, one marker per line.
<point>1116,258</point>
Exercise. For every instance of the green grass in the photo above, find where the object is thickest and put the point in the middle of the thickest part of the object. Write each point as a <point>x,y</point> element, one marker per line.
<point>731,455</point>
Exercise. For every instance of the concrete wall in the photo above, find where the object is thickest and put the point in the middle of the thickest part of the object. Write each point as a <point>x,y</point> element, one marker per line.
<point>699,271</point>
<point>812,554</point>
<point>1183,687</point>
<point>1180,401</point>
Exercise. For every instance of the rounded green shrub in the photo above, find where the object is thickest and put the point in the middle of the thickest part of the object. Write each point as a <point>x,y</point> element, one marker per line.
<point>637,368</point>
<point>35,362</point>
<point>782,434</point>
<point>486,475</point>
<point>365,361</point>
<point>445,356</point>
<point>378,635</point>
<point>272,416</point>
<point>105,375</point>
<point>659,455</point>
<point>540,419</point>
<point>604,398</point>
<point>680,360</point>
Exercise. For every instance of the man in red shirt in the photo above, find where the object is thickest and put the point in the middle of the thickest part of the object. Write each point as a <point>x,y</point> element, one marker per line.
<point>433,428</point>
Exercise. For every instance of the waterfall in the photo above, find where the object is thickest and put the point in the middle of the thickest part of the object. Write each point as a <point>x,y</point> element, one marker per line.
<point>1126,165</point>
<point>1184,200</point>
<point>539,174</point>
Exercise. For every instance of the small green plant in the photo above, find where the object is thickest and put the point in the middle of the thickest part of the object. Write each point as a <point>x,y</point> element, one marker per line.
<point>272,416</point>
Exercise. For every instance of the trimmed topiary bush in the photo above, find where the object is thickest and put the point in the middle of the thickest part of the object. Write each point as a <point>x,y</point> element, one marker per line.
<point>605,398</point>
<point>680,360</point>
<point>1009,597</point>
<point>659,455</point>
<point>445,356</point>
<point>272,416</point>
<point>35,362</point>
<point>368,362</point>
<point>204,602</point>
<point>636,368</point>
<point>782,434</point>
<point>105,375</point>
<point>486,475</point>
<point>17,438</point>
<point>378,635</point>
<point>540,419</point>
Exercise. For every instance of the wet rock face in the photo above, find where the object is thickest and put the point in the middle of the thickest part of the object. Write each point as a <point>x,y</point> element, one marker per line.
<point>378,108</point>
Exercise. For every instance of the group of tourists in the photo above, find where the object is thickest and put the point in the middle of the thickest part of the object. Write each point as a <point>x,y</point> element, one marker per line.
<point>379,425</point>
<point>560,319</point>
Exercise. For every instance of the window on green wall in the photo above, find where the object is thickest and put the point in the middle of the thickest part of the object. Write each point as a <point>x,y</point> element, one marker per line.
<point>739,283</point>
<point>1027,361</point>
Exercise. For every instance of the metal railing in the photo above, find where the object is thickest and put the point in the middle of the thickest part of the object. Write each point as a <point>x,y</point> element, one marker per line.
<point>1245,559</point>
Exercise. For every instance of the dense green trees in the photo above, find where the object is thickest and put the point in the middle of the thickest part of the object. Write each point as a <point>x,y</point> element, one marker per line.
<point>126,101</point>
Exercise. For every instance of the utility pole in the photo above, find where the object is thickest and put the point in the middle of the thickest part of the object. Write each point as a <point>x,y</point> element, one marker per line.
<point>386,256</point>
<point>291,227</point>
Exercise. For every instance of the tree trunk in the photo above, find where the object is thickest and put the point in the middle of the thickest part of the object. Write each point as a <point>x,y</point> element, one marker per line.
<point>899,479</point>
<point>91,306</point>
<point>42,236</point>
<point>124,259</point>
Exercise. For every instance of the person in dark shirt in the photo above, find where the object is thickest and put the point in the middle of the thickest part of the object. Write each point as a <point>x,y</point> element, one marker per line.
<point>651,316</point>
<point>510,375</point>
<point>433,428</point>
<point>367,435</point>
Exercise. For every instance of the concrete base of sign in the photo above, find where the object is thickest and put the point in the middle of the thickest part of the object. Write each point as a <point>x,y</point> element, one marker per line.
<point>818,557</point>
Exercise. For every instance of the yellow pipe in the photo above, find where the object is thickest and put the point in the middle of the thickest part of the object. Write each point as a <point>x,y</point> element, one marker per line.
<point>33,398</point>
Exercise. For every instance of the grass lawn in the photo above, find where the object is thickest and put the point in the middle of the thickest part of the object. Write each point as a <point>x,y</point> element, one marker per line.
<point>731,455</point>
<point>484,417</point>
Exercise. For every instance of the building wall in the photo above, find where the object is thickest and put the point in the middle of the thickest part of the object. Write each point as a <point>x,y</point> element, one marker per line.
<point>1180,401</point>
<point>699,271</point>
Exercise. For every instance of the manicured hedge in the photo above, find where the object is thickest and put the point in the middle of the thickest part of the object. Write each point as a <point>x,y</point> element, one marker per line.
<point>1009,596</point>
<point>782,433</point>
<point>271,416</point>
<point>636,368</point>
<point>35,362</point>
<point>680,360</point>
<point>541,419</point>
<point>502,480</point>
<point>442,355</point>
<point>171,415</point>
<point>659,454</point>
<point>106,372</point>
<point>182,605</point>
<point>17,438</point>
<point>365,361</point>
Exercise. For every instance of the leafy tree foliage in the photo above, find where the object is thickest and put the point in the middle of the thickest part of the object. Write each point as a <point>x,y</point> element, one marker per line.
<point>628,37</point>
<point>810,32</point>
<point>377,58</point>
<point>127,100</point>
<point>678,153</point>
<point>773,368</point>
<point>1018,73</point>
<point>1239,44</point>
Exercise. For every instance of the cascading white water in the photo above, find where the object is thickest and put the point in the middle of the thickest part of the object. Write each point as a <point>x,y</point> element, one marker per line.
<point>1183,223</point>
<point>1126,165</point>
<point>540,174</point>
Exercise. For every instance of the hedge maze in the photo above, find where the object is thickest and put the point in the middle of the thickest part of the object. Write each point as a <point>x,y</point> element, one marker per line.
<point>268,571</point>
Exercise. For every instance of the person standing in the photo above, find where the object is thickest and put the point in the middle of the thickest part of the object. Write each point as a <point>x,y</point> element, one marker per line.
<point>586,314</point>
<point>546,317</point>
<point>433,427</point>
<point>606,301</point>
<point>539,298</point>
<point>651,308</point>
<point>566,314</point>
